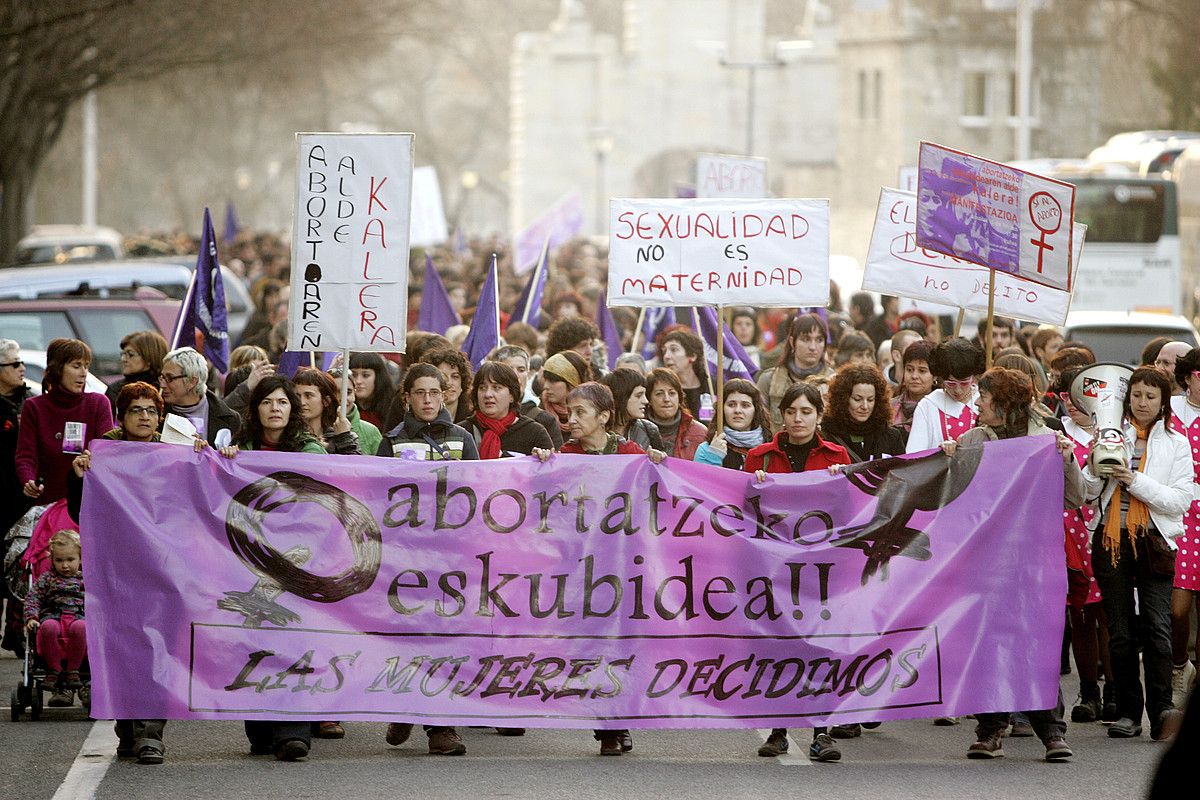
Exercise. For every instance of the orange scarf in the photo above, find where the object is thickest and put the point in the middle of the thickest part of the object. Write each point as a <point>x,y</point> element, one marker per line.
<point>1137,518</point>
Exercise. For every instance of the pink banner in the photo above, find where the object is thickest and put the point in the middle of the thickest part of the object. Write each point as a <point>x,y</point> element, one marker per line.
<point>582,591</point>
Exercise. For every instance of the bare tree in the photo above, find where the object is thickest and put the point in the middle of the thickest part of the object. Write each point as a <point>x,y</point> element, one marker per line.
<point>1174,67</point>
<point>53,54</point>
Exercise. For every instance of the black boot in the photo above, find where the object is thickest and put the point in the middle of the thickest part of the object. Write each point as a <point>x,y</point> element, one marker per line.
<point>1109,711</point>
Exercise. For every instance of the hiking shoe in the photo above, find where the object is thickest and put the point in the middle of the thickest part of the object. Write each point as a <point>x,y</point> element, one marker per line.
<point>1169,723</point>
<point>1124,728</point>
<point>775,745</point>
<point>398,733</point>
<point>61,698</point>
<point>1057,749</point>
<point>987,747</point>
<point>824,748</point>
<point>945,722</point>
<point>851,731</point>
<point>330,730</point>
<point>291,750</point>
<point>610,743</point>
<point>1181,683</point>
<point>149,754</point>
<point>446,742</point>
<point>1086,710</point>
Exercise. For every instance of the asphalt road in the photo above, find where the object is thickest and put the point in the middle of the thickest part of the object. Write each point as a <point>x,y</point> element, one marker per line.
<point>900,759</point>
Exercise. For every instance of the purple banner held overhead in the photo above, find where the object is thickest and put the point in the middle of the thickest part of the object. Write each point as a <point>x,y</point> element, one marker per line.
<point>587,590</point>
<point>561,222</point>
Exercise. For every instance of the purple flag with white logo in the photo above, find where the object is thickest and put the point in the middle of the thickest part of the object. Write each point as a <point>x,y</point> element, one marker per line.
<point>203,323</point>
<point>437,313</point>
<point>485,325</point>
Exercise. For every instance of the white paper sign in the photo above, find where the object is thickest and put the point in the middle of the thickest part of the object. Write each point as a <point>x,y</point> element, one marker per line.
<point>428,215</point>
<point>896,265</point>
<point>668,252</point>
<point>995,215</point>
<point>730,176</point>
<point>350,241</point>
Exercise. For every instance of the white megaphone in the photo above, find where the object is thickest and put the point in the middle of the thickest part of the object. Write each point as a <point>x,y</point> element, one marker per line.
<point>1099,391</point>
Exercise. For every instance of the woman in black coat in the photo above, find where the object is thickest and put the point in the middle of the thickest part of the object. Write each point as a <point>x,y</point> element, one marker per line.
<point>858,414</point>
<point>498,427</point>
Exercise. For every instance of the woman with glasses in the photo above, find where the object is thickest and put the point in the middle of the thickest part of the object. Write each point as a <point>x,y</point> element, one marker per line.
<point>141,360</point>
<point>182,383</point>
<point>948,411</point>
<point>50,435</point>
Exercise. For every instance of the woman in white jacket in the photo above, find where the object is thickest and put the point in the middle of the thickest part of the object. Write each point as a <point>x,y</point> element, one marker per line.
<point>1141,507</point>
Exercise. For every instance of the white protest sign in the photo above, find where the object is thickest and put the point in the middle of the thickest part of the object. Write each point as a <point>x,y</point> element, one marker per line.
<point>897,265</point>
<point>708,252</point>
<point>994,215</point>
<point>730,176</point>
<point>428,216</point>
<point>350,241</point>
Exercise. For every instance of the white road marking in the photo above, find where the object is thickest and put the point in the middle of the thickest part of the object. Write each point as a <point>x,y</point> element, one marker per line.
<point>796,756</point>
<point>95,757</point>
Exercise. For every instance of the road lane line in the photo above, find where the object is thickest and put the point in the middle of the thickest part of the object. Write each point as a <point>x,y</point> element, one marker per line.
<point>796,756</point>
<point>95,757</point>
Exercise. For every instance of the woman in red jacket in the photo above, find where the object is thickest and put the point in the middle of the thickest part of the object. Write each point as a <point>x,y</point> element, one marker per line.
<point>798,448</point>
<point>590,414</point>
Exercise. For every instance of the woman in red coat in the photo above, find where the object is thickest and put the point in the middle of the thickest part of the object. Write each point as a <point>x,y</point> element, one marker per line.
<point>798,448</point>
<point>590,414</point>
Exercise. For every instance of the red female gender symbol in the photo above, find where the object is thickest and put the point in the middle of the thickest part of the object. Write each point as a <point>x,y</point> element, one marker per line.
<point>1049,209</point>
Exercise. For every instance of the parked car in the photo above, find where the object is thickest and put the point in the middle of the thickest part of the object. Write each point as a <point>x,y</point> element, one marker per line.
<point>100,323</point>
<point>35,368</point>
<point>126,279</point>
<point>58,244</point>
<point>1120,336</point>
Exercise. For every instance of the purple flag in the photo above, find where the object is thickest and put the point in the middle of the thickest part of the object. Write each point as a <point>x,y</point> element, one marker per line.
<point>232,228</point>
<point>609,333</point>
<point>677,595</point>
<point>292,360</point>
<point>558,224</point>
<point>202,323</point>
<point>485,325</point>
<point>437,313</point>
<point>656,321</point>
<point>529,306</point>
<point>737,364</point>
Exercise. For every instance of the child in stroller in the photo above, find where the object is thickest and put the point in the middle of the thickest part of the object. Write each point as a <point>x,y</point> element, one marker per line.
<point>54,608</point>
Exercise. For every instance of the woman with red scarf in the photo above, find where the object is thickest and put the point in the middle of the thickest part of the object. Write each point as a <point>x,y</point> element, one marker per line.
<point>499,428</point>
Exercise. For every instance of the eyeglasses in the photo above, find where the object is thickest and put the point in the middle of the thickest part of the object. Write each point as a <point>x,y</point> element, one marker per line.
<point>15,364</point>
<point>142,411</point>
<point>421,394</point>
<point>963,384</point>
<point>165,378</point>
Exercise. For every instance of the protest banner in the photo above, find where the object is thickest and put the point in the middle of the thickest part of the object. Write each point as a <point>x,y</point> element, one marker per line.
<point>350,242</point>
<point>896,265</point>
<point>730,176</point>
<point>559,223</point>
<point>668,252</point>
<point>428,215</point>
<point>994,215</point>
<point>581,592</point>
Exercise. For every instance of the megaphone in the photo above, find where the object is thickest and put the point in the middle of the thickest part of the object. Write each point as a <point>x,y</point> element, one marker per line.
<point>1099,391</point>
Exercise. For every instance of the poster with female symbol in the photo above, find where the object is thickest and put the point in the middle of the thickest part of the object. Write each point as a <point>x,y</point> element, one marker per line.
<point>995,215</point>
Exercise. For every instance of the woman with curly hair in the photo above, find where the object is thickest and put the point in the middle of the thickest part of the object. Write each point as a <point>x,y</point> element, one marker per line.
<point>454,365</point>
<point>746,425</point>
<point>859,414</point>
<point>1006,412</point>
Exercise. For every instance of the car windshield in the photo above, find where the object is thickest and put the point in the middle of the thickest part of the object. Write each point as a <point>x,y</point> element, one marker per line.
<point>61,254</point>
<point>1125,343</point>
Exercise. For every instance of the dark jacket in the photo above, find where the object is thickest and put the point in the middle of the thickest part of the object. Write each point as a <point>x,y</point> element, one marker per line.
<point>440,440</point>
<point>13,502</point>
<point>544,418</point>
<point>342,444</point>
<point>822,456</point>
<point>521,437</point>
<point>219,416</point>
<point>879,444</point>
<point>645,434</point>
<point>149,376</point>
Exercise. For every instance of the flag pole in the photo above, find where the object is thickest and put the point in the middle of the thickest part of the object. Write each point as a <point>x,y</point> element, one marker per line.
<point>637,331</point>
<point>184,310</point>
<point>496,295</point>
<point>720,368</point>
<point>962,312</point>
<point>345,387</point>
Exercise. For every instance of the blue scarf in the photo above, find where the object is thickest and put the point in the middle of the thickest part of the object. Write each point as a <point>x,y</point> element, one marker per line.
<point>750,438</point>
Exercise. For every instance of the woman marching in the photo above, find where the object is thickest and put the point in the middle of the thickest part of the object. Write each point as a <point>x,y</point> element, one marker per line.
<point>1142,504</point>
<point>591,411</point>
<point>681,433</point>
<point>798,448</point>
<point>629,417</point>
<point>859,412</point>
<point>803,357</point>
<point>746,425</point>
<point>948,411</point>
<point>1185,418</point>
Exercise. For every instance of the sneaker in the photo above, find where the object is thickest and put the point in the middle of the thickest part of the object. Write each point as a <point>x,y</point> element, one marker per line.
<point>85,697</point>
<point>775,745</point>
<point>610,743</point>
<point>945,722</point>
<point>1057,749</point>
<point>1181,683</point>
<point>626,742</point>
<point>870,726</point>
<point>330,730</point>
<point>1124,728</point>
<point>61,698</point>
<point>446,742</point>
<point>851,731</point>
<point>987,747</point>
<point>149,754</point>
<point>824,748</point>
<point>398,733</point>
<point>1086,710</point>
<point>510,731</point>
<point>291,750</point>
<point>1169,723</point>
